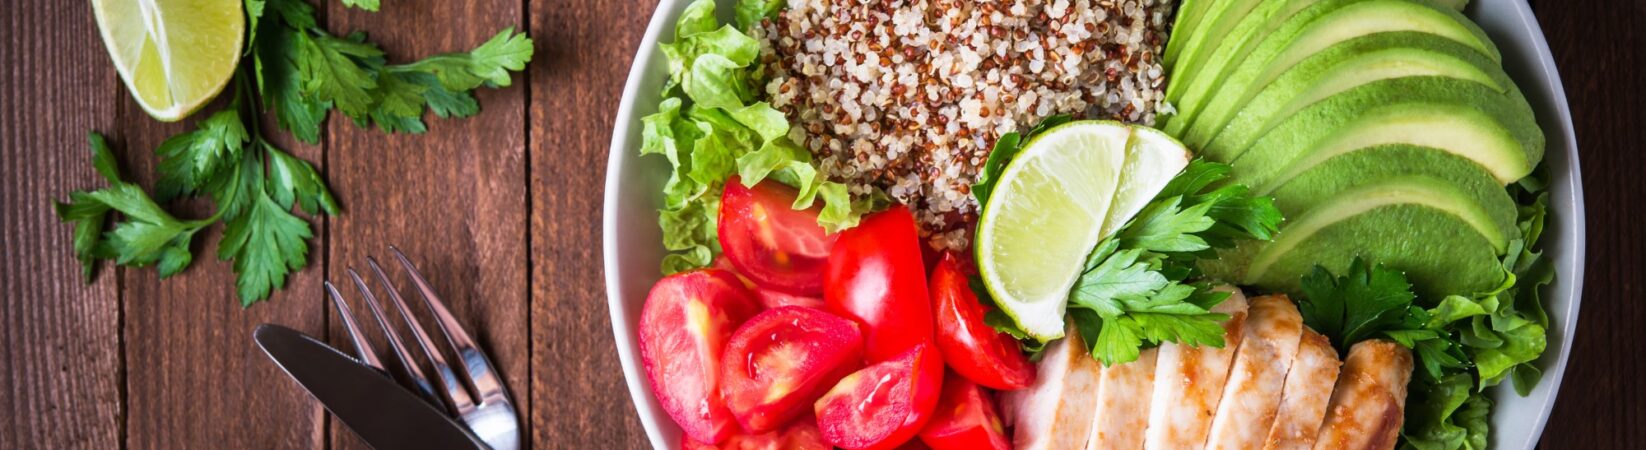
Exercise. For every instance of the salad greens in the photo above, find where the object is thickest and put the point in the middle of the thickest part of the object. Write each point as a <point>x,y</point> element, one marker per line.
<point>710,128</point>
<point>1135,289</point>
<point>1463,344</point>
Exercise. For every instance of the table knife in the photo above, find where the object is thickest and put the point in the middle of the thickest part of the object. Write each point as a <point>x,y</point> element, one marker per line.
<point>380,411</point>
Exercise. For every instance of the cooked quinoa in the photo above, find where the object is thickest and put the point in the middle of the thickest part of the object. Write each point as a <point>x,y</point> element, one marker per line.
<point>909,96</point>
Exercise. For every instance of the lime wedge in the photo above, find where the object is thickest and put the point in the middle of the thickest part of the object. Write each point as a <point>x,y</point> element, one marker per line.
<point>1153,158</point>
<point>1069,188</point>
<point>174,55</point>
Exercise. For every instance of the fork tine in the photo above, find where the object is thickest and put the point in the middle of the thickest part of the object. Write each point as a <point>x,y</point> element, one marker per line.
<point>409,370</point>
<point>361,347</point>
<point>456,395</point>
<point>479,369</point>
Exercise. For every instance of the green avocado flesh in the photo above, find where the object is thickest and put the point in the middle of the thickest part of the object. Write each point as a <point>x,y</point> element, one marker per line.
<point>1321,26</point>
<point>1184,28</point>
<point>1225,25</point>
<point>1194,77</point>
<point>1442,240</point>
<point>1345,66</point>
<point>1465,118</point>
<point>1373,165</point>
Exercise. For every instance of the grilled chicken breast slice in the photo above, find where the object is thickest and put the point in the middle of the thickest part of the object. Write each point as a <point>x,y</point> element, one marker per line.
<point>1189,382</point>
<point>1308,391</point>
<point>1123,404</point>
<point>1055,413</point>
<point>1369,400</point>
<point>1251,396</point>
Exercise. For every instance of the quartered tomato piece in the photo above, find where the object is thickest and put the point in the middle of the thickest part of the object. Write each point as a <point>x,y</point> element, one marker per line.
<point>801,434</point>
<point>965,419</point>
<point>779,362</point>
<point>683,329</point>
<point>876,277</point>
<point>771,298</point>
<point>884,405</point>
<point>769,241</point>
<point>970,346</point>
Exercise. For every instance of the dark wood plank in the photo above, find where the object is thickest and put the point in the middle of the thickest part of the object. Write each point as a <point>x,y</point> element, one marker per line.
<point>195,377</point>
<point>453,199</point>
<point>60,383</point>
<point>577,80</point>
<point>1600,49</point>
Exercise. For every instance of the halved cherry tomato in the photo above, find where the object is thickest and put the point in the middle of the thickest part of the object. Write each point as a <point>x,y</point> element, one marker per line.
<point>883,405</point>
<point>784,359</point>
<point>683,329</point>
<point>769,241</point>
<point>969,345</point>
<point>801,434</point>
<point>965,419</point>
<point>876,277</point>
<point>771,298</point>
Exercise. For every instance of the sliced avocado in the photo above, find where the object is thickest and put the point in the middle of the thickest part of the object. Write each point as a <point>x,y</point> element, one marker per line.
<point>1213,32</point>
<point>1323,25</point>
<point>1183,28</point>
<point>1465,118</point>
<point>1352,63</point>
<point>1453,4</point>
<point>1442,240</point>
<point>1349,171</point>
<point>1194,76</point>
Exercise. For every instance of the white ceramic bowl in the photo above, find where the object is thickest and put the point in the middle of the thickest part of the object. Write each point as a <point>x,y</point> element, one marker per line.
<point>633,246</point>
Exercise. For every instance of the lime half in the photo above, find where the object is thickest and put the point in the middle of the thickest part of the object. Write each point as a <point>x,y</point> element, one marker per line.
<point>1069,188</point>
<point>174,55</point>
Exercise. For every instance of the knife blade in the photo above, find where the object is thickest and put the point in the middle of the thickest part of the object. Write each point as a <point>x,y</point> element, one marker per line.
<point>380,411</point>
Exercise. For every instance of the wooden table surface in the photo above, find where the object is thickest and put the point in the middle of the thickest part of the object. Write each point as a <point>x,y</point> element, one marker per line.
<point>502,210</point>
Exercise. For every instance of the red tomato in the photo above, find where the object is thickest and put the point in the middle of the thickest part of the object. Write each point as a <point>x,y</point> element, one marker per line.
<point>770,242</point>
<point>782,360</point>
<point>876,277</point>
<point>969,346</point>
<point>914,444</point>
<point>775,299</point>
<point>683,329</point>
<point>771,298</point>
<point>883,405</point>
<point>965,419</point>
<point>801,434</point>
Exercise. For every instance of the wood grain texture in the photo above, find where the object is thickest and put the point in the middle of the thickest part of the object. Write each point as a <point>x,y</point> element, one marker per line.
<point>502,211</point>
<point>195,378</point>
<point>60,379</point>
<point>577,79</point>
<point>1600,49</point>
<point>453,199</point>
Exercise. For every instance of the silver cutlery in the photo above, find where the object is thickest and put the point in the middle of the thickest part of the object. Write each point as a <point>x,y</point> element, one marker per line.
<point>464,386</point>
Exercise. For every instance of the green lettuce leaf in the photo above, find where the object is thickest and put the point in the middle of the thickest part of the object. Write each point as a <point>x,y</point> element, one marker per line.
<point>709,129</point>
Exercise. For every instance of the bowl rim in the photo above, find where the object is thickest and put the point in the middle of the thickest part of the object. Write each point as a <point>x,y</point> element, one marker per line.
<point>1568,284</point>
<point>617,155</point>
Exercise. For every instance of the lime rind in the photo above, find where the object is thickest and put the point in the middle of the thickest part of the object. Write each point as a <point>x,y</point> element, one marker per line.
<point>1052,205</point>
<point>174,56</point>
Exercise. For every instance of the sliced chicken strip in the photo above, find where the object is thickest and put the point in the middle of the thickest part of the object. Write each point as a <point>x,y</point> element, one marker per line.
<point>1055,413</point>
<point>1308,390</point>
<point>1123,404</point>
<point>1189,381</point>
<point>1252,395</point>
<point>1370,398</point>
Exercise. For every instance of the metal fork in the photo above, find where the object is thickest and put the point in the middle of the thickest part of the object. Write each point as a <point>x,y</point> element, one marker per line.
<point>470,391</point>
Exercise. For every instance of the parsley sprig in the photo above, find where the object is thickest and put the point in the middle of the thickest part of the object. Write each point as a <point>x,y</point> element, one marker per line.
<point>1137,290</point>
<point>301,73</point>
